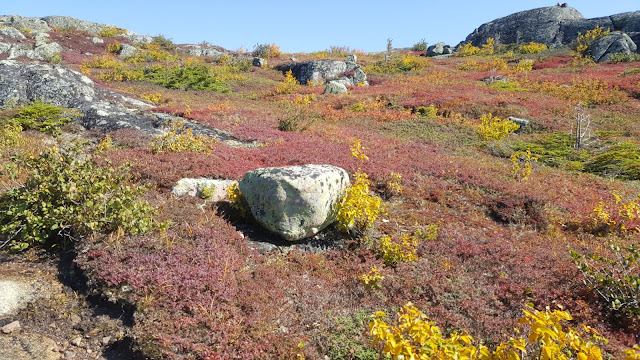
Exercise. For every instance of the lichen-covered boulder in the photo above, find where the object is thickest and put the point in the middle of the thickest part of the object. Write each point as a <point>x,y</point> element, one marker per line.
<point>616,43</point>
<point>12,33</point>
<point>294,202</point>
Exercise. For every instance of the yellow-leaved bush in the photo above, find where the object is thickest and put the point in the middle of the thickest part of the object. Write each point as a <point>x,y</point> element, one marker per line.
<point>288,85</point>
<point>371,280</point>
<point>358,208</point>
<point>494,128</point>
<point>178,137</point>
<point>413,336</point>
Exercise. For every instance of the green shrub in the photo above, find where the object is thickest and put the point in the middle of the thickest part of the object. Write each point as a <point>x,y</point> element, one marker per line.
<point>163,42</point>
<point>621,161</point>
<point>189,77</point>
<point>345,340</point>
<point>420,46</point>
<point>616,278</point>
<point>266,50</point>
<point>43,117</point>
<point>621,57</point>
<point>68,196</point>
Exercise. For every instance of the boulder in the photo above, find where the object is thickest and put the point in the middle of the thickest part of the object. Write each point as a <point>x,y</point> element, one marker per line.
<point>19,50</point>
<point>258,62</point>
<point>436,49</point>
<point>12,33</point>
<point>327,70</point>
<point>42,39</point>
<point>46,51</point>
<point>4,47</point>
<point>204,50</point>
<point>335,87</point>
<point>294,202</point>
<point>194,187</point>
<point>127,50</point>
<point>97,40</point>
<point>628,23</point>
<point>541,25</point>
<point>34,24</point>
<point>447,50</point>
<point>61,86</point>
<point>523,123</point>
<point>616,43</point>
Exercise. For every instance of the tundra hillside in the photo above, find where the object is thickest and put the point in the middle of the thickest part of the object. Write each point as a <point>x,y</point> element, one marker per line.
<point>477,201</point>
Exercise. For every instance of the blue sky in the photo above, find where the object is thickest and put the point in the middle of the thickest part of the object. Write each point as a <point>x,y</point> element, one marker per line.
<point>302,26</point>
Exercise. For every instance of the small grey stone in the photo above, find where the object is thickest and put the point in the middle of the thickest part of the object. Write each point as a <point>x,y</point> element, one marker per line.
<point>194,187</point>
<point>11,327</point>
<point>97,40</point>
<point>76,341</point>
<point>351,58</point>
<point>105,341</point>
<point>47,51</point>
<point>127,51</point>
<point>75,319</point>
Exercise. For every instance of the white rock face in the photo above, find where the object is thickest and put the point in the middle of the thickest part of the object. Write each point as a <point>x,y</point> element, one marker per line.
<point>294,202</point>
<point>194,187</point>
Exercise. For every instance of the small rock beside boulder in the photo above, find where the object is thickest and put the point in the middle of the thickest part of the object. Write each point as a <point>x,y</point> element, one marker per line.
<point>335,87</point>
<point>294,202</point>
<point>616,43</point>
<point>195,187</point>
<point>127,50</point>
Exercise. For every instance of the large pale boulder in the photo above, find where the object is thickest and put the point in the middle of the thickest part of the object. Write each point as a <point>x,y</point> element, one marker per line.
<point>294,202</point>
<point>336,87</point>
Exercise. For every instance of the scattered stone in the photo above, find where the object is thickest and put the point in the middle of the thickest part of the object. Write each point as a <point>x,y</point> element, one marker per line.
<point>28,347</point>
<point>127,50</point>
<point>335,87</point>
<point>194,187</point>
<point>353,58</point>
<point>42,39</point>
<point>4,47</point>
<point>105,341</point>
<point>76,341</point>
<point>97,40</point>
<point>47,51</point>
<point>294,202</point>
<point>75,319</point>
<point>359,77</point>
<point>12,33</point>
<point>15,294</point>
<point>69,354</point>
<point>293,59</point>
<point>204,50</point>
<point>258,62</point>
<point>616,43</point>
<point>19,50</point>
<point>326,70</point>
<point>11,327</point>
<point>523,123</point>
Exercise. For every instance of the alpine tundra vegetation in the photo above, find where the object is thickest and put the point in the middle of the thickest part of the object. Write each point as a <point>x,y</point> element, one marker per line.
<point>186,201</point>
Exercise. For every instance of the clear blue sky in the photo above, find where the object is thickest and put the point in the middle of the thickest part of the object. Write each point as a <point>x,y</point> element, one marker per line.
<point>302,26</point>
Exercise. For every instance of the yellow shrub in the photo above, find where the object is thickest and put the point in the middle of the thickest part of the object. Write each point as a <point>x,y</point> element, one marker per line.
<point>394,252</point>
<point>494,128</point>
<point>582,42</point>
<point>524,65</point>
<point>10,136</point>
<point>104,145</point>
<point>288,85</point>
<point>468,49</point>
<point>304,99</point>
<point>393,185</point>
<point>100,62</point>
<point>414,336</point>
<point>357,207</point>
<point>521,164</point>
<point>152,53</point>
<point>238,201</point>
<point>488,48</point>
<point>114,47</point>
<point>371,280</point>
<point>111,32</point>
<point>584,91</point>
<point>153,97</point>
<point>621,217</point>
<point>180,138</point>
<point>532,48</point>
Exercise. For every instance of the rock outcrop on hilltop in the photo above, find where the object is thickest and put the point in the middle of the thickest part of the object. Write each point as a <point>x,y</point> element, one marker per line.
<point>553,25</point>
